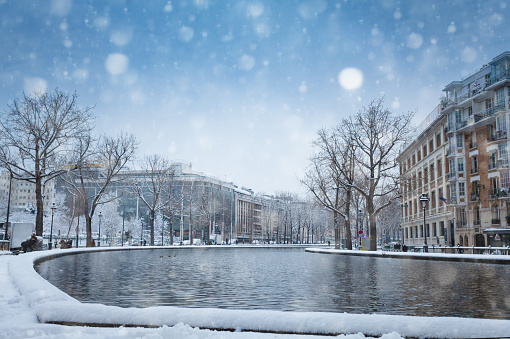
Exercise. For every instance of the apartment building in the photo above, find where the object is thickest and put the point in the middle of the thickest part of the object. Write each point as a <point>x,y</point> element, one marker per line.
<point>23,192</point>
<point>460,162</point>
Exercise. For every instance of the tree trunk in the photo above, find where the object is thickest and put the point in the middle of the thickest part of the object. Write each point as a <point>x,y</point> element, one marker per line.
<point>348,234</point>
<point>372,222</point>
<point>152,217</point>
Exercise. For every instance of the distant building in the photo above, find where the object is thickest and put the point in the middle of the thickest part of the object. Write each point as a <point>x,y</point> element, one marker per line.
<point>460,161</point>
<point>23,192</point>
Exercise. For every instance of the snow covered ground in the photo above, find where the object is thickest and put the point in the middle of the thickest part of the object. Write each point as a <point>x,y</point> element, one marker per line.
<point>28,303</point>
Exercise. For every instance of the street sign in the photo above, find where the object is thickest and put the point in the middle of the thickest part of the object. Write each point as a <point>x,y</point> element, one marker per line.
<point>497,237</point>
<point>360,232</point>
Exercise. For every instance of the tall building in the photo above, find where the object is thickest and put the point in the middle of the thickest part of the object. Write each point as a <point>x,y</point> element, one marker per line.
<point>459,161</point>
<point>23,192</point>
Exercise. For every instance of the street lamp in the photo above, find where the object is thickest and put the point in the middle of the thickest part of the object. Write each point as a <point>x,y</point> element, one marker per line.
<point>141,233</point>
<point>123,218</point>
<point>100,217</point>
<point>53,207</point>
<point>424,199</point>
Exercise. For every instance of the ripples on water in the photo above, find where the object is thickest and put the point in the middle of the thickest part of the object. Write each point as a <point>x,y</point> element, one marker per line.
<point>282,279</point>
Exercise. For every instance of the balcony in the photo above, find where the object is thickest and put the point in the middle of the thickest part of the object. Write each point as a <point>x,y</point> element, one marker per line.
<point>473,145</point>
<point>474,170</point>
<point>496,221</point>
<point>505,75</point>
<point>452,200</point>
<point>503,164</point>
<point>498,193</point>
<point>499,136</point>
<point>477,222</point>
<point>478,119</point>
<point>475,197</point>
<point>450,151</point>
<point>461,224</point>
<point>451,175</point>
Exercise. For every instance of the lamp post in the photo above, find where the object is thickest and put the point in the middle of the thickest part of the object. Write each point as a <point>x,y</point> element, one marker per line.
<point>53,207</point>
<point>100,217</point>
<point>424,199</point>
<point>141,233</point>
<point>123,218</point>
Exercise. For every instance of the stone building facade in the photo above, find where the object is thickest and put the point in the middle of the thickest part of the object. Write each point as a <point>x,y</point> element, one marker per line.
<point>460,162</point>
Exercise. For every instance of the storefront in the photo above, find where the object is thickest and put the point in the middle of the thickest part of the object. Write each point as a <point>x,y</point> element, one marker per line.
<point>497,237</point>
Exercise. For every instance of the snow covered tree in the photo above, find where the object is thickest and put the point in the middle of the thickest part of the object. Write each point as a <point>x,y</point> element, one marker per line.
<point>155,179</point>
<point>35,133</point>
<point>376,134</point>
<point>95,167</point>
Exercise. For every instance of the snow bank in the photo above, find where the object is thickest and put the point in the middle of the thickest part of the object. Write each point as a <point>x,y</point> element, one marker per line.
<point>52,305</point>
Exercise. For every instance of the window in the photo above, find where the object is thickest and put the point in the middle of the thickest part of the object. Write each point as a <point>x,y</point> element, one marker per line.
<point>431,145</point>
<point>460,165</point>
<point>488,103</point>
<point>492,160</point>
<point>462,189</point>
<point>458,117</point>
<point>460,141</point>
<point>462,216</point>
<point>500,97</point>
<point>501,123</point>
<point>432,172</point>
<point>476,215</point>
<point>452,166</point>
<point>505,180</point>
<point>434,229</point>
<point>433,199</point>
<point>425,175</point>
<point>424,150</point>
<point>441,228</point>
<point>438,135</point>
<point>474,164</point>
<point>475,190</point>
<point>439,168</point>
<point>503,155</point>
<point>419,156</point>
<point>495,214</point>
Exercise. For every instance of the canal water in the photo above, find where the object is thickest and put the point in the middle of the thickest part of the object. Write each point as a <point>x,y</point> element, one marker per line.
<point>287,279</point>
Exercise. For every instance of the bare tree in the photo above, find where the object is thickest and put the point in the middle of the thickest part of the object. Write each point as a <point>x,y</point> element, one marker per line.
<point>156,176</point>
<point>376,134</point>
<point>324,178</point>
<point>94,169</point>
<point>36,131</point>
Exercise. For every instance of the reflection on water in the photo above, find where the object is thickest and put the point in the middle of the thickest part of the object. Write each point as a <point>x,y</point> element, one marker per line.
<point>282,279</point>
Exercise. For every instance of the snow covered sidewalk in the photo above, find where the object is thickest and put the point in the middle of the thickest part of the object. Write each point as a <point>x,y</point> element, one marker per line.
<point>28,303</point>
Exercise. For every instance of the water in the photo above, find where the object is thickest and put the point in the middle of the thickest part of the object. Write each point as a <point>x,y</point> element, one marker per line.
<point>282,279</point>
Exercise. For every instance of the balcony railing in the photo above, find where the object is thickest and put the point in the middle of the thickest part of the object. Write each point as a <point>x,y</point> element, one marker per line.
<point>497,193</point>
<point>475,197</point>
<point>451,175</point>
<point>473,144</point>
<point>503,164</point>
<point>500,135</point>
<point>488,112</point>
<point>505,75</point>
<point>474,170</point>
<point>496,221</point>
<point>477,222</point>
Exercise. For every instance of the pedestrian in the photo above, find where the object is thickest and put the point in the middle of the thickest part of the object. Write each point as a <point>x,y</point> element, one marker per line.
<point>29,244</point>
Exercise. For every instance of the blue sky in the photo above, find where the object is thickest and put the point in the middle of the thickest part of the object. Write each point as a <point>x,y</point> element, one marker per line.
<point>239,88</point>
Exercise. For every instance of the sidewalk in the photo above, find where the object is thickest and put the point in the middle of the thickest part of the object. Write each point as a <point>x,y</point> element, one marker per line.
<point>475,258</point>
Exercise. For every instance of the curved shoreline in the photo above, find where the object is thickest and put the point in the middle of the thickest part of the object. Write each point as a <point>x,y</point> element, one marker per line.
<point>51,305</point>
